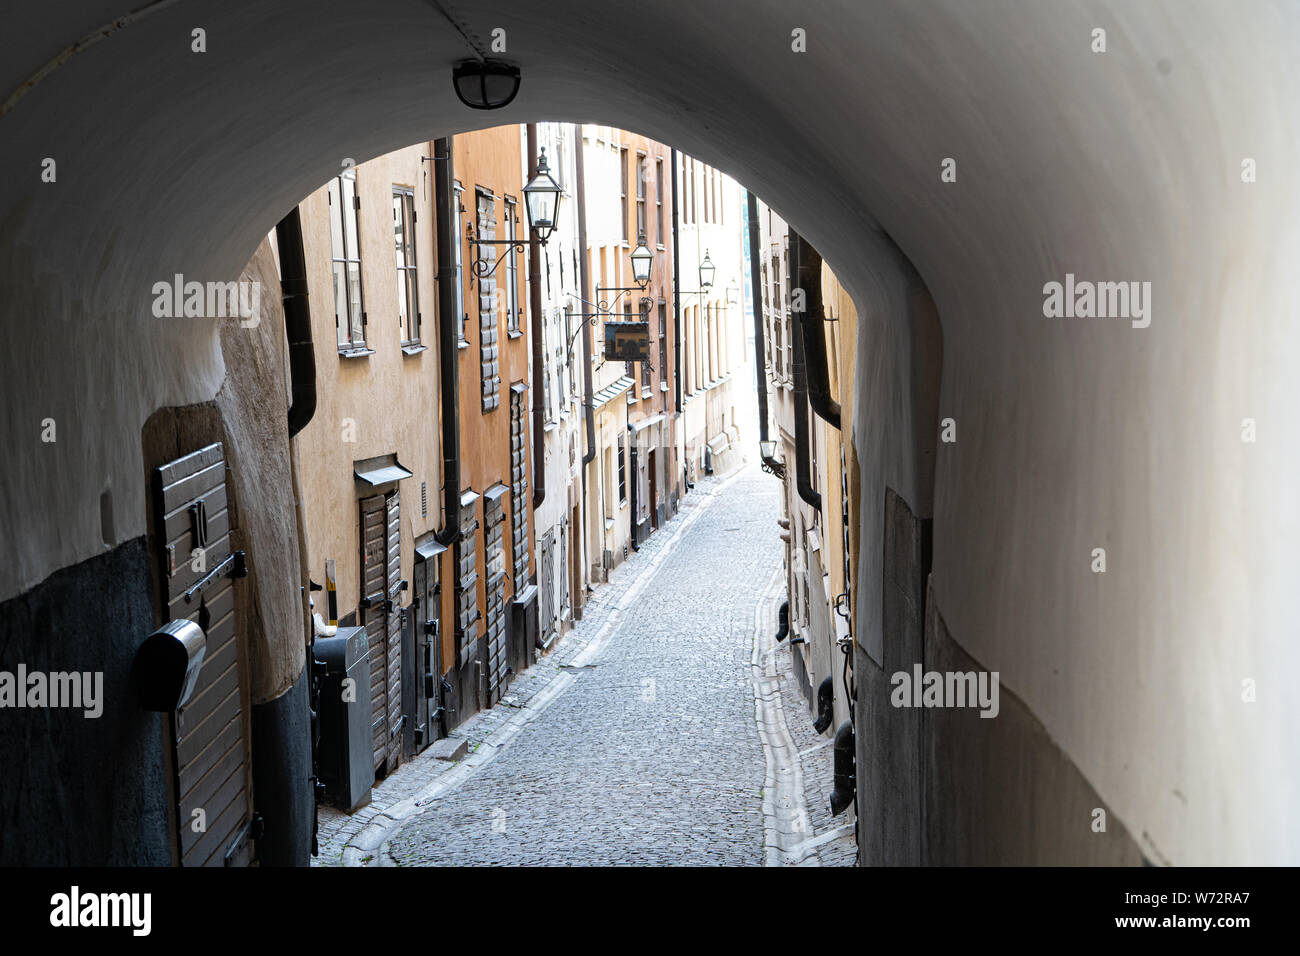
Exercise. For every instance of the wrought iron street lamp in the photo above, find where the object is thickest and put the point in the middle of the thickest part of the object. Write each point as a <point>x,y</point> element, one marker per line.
<point>542,205</point>
<point>642,259</point>
<point>707,269</point>
<point>542,198</point>
<point>767,454</point>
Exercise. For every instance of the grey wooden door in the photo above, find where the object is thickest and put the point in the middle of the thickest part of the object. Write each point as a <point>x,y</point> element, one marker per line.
<point>380,575</point>
<point>211,765</point>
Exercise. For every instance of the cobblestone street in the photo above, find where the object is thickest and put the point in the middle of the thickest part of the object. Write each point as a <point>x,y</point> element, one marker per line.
<point>635,741</point>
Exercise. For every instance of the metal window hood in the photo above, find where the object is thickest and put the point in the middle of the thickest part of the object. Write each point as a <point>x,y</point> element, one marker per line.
<point>380,471</point>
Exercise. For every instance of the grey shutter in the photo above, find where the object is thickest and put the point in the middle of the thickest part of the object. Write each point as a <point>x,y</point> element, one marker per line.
<point>211,765</point>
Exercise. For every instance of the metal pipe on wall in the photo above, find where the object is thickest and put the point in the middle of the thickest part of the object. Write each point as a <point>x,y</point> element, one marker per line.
<point>297,321</point>
<point>677,299</point>
<point>802,426</point>
<point>584,273</point>
<point>760,333</point>
<point>448,348</point>
<point>812,322</point>
<point>535,308</point>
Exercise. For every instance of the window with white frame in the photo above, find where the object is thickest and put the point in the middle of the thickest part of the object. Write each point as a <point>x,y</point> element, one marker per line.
<point>512,268</point>
<point>408,294</point>
<point>457,207</point>
<point>345,233</point>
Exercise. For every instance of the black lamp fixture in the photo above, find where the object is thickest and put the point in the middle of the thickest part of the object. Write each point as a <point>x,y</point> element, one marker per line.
<point>707,269</point>
<point>642,260</point>
<point>767,454</point>
<point>485,84</point>
<point>542,205</point>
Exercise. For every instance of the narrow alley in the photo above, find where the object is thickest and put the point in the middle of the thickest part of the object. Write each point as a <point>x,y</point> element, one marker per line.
<point>635,741</point>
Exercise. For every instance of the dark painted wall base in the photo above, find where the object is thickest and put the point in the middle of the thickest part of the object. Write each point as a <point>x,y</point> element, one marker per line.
<point>281,737</point>
<point>79,791</point>
<point>945,785</point>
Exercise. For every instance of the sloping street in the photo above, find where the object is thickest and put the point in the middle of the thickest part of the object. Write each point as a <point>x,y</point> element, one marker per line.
<point>637,742</point>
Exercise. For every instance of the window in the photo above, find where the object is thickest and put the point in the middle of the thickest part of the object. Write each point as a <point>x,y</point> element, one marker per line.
<point>622,163</point>
<point>778,323</point>
<point>622,472</point>
<point>691,187</point>
<point>659,201</point>
<point>457,207</point>
<point>408,293</point>
<point>645,366</point>
<point>663,343</point>
<point>609,484</point>
<point>706,175</point>
<point>349,307</point>
<point>628,370</point>
<point>518,485</point>
<point>489,361</point>
<point>640,194</point>
<point>512,269</point>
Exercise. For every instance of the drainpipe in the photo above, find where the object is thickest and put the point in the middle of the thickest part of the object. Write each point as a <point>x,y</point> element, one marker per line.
<point>297,321</point>
<point>760,334</point>
<point>802,465</point>
<point>448,349</point>
<point>584,272</point>
<point>845,772</point>
<point>535,307</point>
<point>584,277</point>
<point>677,300</point>
<point>813,323</point>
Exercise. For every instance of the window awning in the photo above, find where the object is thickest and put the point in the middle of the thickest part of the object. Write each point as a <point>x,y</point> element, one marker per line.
<point>496,492</point>
<point>429,549</point>
<point>638,426</point>
<point>380,471</point>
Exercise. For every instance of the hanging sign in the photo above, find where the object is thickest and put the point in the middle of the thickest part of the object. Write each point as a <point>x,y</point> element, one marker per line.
<point>627,341</point>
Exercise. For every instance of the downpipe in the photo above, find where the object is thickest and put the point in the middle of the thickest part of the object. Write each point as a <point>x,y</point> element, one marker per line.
<point>845,775</point>
<point>812,322</point>
<point>756,294</point>
<point>297,321</point>
<point>802,463</point>
<point>535,307</point>
<point>825,705</point>
<point>448,348</point>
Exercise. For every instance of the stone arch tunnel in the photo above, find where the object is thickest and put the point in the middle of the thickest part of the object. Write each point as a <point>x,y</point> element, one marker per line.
<point>1121,690</point>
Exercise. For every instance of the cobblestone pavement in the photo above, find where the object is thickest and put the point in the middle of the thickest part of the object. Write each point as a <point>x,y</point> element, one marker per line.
<point>827,840</point>
<point>634,741</point>
<point>651,757</point>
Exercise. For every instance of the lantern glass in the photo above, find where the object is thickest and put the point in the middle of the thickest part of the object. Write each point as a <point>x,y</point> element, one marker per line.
<point>542,200</point>
<point>707,269</point>
<point>768,449</point>
<point>642,259</point>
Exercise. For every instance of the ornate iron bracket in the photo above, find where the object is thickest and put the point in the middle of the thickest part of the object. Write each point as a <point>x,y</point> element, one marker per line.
<point>480,268</point>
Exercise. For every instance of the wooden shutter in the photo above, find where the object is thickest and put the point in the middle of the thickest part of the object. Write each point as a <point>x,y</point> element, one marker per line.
<point>381,572</point>
<point>211,765</point>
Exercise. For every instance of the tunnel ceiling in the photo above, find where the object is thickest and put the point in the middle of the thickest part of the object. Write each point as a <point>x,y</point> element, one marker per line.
<point>1118,166</point>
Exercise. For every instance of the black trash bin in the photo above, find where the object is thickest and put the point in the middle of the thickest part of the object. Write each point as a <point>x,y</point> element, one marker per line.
<point>345,758</point>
